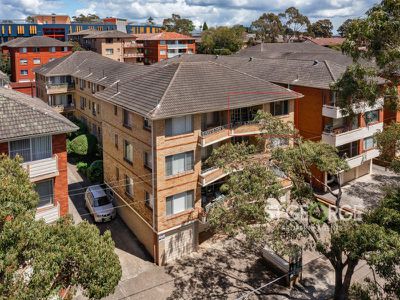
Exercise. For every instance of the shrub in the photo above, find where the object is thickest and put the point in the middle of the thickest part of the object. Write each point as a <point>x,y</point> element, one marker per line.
<point>69,150</point>
<point>85,144</point>
<point>82,167</point>
<point>95,171</point>
<point>82,129</point>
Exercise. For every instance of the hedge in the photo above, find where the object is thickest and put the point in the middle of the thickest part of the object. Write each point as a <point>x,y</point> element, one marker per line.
<point>85,144</point>
<point>95,171</point>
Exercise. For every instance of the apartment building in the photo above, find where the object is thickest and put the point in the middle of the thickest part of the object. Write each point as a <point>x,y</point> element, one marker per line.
<point>316,115</point>
<point>25,54</point>
<point>113,44</point>
<point>51,19</point>
<point>164,45</point>
<point>69,85</point>
<point>33,130</point>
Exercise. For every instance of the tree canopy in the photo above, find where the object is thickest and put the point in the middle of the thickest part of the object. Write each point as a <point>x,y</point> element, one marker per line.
<point>89,18</point>
<point>342,30</point>
<point>178,24</point>
<point>321,28</point>
<point>255,184</point>
<point>294,22</point>
<point>221,40</point>
<point>268,27</point>
<point>38,261</point>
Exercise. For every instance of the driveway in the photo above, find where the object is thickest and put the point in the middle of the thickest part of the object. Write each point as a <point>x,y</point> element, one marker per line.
<point>141,278</point>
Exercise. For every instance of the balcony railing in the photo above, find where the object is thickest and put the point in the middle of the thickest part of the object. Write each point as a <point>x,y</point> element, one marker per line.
<point>342,137</point>
<point>335,112</point>
<point>223,132</point>
<point>358,160</point>
<point>57,88</point>
<point>132,45</point>
<point>64,108</point>
<point>133,55</point>
<point>42,168</point>
<point>177,46</point>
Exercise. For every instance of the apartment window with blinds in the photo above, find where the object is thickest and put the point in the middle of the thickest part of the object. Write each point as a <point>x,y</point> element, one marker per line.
<point>369,143</point>
<point>45,191</point>
<point>32,149</point>
<point>179,202</point>
<point>180,125</point>
<point>280,108</point>
<point>128,186</point>
<point>179,163</point>
<point>148,199</point>
<point>147,160</point>
<point>372,117</point>
<point>128,152</point>
<point>23,62</point>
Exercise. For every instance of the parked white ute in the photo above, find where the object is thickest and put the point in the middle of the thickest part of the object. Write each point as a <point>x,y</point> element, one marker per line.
<point>99,204</point>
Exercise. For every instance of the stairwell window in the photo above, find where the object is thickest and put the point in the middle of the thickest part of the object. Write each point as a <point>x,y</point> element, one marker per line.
<point>179,163</point>
<point>45,191</point>
<point>280,108</point>
<point>179,125</point>
<point>148,199</point>
<point>179,202</point>
<point>127,119</point>
<point>128,152</point>
<point>147,161</point>
<point>128,186</point>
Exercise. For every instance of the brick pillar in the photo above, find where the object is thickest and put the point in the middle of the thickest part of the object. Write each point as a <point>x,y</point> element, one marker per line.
<point>3,148</point>
<point>61,181</point>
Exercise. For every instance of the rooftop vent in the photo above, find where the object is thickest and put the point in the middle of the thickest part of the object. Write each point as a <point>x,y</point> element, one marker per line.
<point>251,58</point>
<point>216,56</point>
<point>315,62</point>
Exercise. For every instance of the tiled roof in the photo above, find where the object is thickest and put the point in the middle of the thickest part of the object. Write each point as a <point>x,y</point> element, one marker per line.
<point>23,116</point>
<point>108,34</point>
<point>35,41</point>
<point>193,87</point>
<point>93,67</point>
<point>162,36</point>
<point>327,41</point>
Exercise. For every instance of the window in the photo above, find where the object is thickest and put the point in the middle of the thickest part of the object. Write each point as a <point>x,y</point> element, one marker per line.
<point>147,160</point>
<point>37,61</point>
<point>82,101</point>
<point>163,52</point>
<point>148,199</point>
<point>109,41</point>
<point>45,191</point>
<point>23,50</point>
<point>127,119</point>
<point>180,125</point>
<point>35,49</point>
<point>162,43</point>
<point>178,163</point>
<point>179,202</point>
<point>146,123</point>
<point>128,152</point>
<point>280,108</point>
<point>93,88</point>
<point>372,117</point>
<point>82,84</point>
<point>52,49</point>
<point>23,62</point>
<point>109,51</point>
<point>116,140</point>
<point>51,59</point>
<point>32,149</point>
<point>24,72</point>
<point>128,186</point>
<point>115,110</point>
<point>65,49</point>
<point>369,143</point>
<point>117,173</point>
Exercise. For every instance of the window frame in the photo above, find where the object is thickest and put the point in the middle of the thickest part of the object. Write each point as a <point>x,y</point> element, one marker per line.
<point>126,158</point>
<point>169,163</point>
<point>284,109</point>
<point>169,203</point>
<point>129,186</point>
<point>169,126</point>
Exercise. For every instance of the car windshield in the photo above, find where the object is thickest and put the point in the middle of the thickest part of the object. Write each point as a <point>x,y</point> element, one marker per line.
<point>101,201</point>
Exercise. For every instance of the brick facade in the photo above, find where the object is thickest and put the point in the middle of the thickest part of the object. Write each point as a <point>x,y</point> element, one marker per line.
<point>61,181</point>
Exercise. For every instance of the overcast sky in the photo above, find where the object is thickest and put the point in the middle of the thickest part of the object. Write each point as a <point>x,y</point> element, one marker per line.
<point>214,12</point>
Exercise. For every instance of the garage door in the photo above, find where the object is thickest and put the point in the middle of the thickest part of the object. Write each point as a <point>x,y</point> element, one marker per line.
<point>180,242</point>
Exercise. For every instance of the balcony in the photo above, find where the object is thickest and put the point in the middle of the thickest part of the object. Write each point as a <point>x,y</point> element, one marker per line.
<point>343,136</point>
<point>334,112</point>
<point>223,132</point>
<point>49,214</point>
<point>210,175</point>
<point>59,88</point>
<point>42,169</point>
<point>177,46</point>
<point>358,160</point>
<point>132,45</point>
<point>133,55</point>
<point>64,108</point>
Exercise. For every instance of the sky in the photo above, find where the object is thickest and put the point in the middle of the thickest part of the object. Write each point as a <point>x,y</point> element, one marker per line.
<point>214,12</point>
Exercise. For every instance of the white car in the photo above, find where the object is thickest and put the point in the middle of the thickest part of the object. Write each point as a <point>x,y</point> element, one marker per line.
<point>99,204</point>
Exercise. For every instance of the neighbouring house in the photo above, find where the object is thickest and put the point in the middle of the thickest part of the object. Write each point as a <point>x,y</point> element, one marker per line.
<point>69,85</point>
<point>316,115</point>
<point>27,53</point>
<point>164,45</point>
<point>159,124</point>
<point>326,42</point>
<point>34,131</point>
<point>113,44</point>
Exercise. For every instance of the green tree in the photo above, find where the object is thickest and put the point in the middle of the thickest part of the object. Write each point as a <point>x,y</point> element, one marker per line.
<point>342,30</point>
<point>29,19</point>
<point>221,40</point>
<point>321,28</point>
<point>294,23</point>
<point>205,26</point>
<point>254,184</point>
<point>267,27</point>
<point>89,18</point>
<point>388,142</point>
<point>178,24</point>
<point>76,46</point>
<point>38,261</point>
